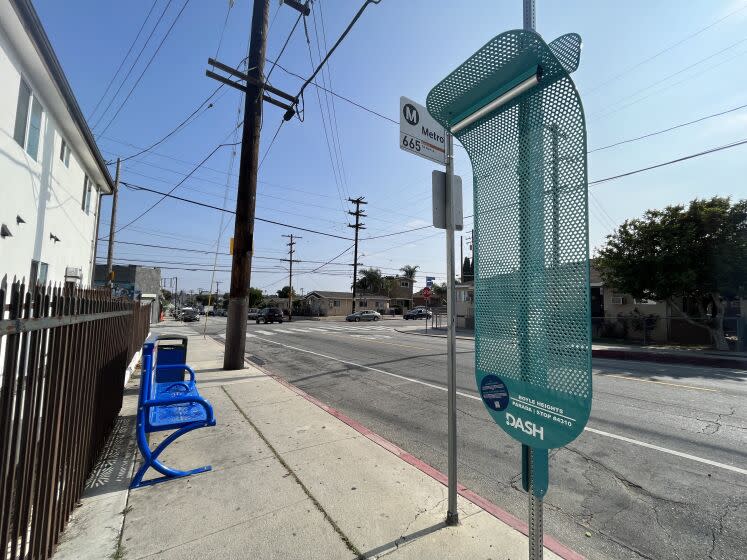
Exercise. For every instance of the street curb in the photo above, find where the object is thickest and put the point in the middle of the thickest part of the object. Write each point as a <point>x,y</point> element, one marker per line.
<point>638,356</point>
<point>502,515</point>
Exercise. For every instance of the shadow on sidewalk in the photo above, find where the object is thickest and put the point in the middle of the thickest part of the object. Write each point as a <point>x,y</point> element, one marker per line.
<point>403,540</point>
<point>113,470</point>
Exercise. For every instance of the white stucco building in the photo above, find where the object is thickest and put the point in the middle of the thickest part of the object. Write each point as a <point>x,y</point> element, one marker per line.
<point>52,174</point>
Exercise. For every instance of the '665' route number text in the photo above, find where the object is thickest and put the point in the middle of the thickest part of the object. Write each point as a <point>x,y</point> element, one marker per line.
<point>410,142</point>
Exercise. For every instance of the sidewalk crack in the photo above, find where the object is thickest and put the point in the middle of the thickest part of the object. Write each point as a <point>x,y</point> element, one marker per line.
<point>345,539</point>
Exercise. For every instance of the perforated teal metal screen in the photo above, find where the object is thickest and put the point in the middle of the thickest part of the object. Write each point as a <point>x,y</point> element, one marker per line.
<point>532,311</point>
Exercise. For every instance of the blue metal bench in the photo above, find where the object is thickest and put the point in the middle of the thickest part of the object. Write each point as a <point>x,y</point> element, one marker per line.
<point>167,405</point>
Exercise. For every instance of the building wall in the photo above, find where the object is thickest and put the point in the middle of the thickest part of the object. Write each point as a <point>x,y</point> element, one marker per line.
<point>402,292</point>
<point>43,192</point>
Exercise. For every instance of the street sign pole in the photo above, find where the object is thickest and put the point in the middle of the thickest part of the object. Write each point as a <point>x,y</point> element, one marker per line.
<point>452,515</point>
<point>533,459</point>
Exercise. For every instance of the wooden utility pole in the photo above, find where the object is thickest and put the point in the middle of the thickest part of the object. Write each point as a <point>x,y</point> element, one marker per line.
<point>247,191</point>
<point>291,244</point>
<point>112,227</point>
<point>357,227</point>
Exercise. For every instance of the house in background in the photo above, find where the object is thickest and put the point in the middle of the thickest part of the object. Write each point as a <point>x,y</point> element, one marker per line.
<point>340,304</point>
<point>465,305</point>
<point>400,294</point>
<point>53,174</point>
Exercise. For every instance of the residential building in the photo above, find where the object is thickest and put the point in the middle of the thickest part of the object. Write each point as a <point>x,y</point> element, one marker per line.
<point>465,305</point>
<point>281,303</point>
<point>328,304</point>
<point>53,174</point>
<point>134,282</point>
<point>400,294</point>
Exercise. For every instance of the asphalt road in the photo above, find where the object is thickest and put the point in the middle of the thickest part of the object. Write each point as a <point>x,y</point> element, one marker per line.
<point>660,472</point>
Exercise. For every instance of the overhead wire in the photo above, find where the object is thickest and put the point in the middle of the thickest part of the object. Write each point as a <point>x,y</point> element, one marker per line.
<point>333,159</point>
<point>670,162</point>
<point>165,195</point>
<point>124,59</point>
<point>218,208</point>
<point>150,61</point>
<point>668,129</point>
<point>132,66</point>
<point>664,50</point>
<point>330,102</point>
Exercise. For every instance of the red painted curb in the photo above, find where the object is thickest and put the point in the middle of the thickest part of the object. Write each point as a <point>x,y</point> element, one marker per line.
<point>500,514</point>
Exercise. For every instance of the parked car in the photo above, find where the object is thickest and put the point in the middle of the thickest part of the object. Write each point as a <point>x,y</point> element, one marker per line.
<point>368,315</point>
<point>253,313</point>
<point>189,315</point>
<point>270,315</point>
<point>418,313</point>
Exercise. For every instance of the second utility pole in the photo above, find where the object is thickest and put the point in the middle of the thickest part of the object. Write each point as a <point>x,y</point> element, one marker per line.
<point>357,227</point>
<point>112,230</point>
<point>246,201</point>
<point>291,250</point>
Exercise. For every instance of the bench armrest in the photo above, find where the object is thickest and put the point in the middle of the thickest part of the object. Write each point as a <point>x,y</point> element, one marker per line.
<point>165,401</point>
<point>180,367</point>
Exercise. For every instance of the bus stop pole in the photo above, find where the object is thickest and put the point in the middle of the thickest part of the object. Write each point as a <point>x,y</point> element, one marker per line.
<point>452,515</point>
<point>535,503</point>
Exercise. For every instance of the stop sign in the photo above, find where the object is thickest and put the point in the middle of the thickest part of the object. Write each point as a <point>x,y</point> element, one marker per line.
<point>426,292</point>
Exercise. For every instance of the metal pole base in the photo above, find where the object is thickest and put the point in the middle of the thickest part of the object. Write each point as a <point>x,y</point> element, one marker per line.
<point>452,519</point>
<point>536,548</point>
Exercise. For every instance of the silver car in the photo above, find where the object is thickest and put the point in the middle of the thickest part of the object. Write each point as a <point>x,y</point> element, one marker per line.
<point>368,315</point>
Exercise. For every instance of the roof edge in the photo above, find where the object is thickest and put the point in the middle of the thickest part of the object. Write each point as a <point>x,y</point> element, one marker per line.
<point>30,20</point>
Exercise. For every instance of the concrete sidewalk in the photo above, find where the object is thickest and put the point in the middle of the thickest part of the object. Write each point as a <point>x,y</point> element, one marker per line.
<point>667,355</point>
<point>291,478</point>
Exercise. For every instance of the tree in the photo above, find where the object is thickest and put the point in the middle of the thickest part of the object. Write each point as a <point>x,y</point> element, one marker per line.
<point>371,281</point>
<point>166,294</point>
<point>468,273</point>
<point>409,271</point>
<point>696,254</point>
<point>283,293</point>
<point>255,297</point>
<point>439,293</point>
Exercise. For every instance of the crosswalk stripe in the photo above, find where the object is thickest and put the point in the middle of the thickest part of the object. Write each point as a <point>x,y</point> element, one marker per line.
<point>268,333</point>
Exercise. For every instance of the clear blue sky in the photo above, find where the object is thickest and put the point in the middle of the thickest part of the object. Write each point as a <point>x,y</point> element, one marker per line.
<point>397,48</point>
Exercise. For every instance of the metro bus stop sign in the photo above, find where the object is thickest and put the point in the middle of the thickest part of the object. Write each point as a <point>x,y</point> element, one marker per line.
<point>516,111</point>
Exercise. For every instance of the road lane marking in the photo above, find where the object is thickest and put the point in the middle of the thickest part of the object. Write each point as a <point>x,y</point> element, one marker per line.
<point>268,333</point>
<point>476,398</point>
<point>665,450</point>
<point>629,378</point>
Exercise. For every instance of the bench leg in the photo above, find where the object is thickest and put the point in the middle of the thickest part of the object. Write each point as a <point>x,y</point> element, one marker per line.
<point>150,458</point>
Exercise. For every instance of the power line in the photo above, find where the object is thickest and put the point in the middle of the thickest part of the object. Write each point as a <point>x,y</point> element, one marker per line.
<point>674,127</point>
<point>285,45</point>
<point>134,63</point>
<point>178,127</point>
<point>662,80</point>
<point>396,233</point>
<point>121,64</point>
<point>670,162</point>
<point>150,61</point>
<point>666,49</point>
<point>219,146</point>
<point>218,208</point>
<point>339,96</point>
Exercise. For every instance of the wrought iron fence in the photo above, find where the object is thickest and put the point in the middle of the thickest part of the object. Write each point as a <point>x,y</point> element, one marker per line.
<point>63,356</point>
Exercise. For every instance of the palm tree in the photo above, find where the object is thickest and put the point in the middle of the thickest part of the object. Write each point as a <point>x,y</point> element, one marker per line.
<point>371,280</point>
<point>408,271</point>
